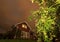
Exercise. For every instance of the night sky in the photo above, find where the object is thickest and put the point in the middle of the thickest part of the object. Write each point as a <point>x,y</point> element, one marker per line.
<point>15,11</point>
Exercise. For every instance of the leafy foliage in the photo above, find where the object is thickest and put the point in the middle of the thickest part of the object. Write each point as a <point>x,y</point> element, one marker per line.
<point>45,18</point>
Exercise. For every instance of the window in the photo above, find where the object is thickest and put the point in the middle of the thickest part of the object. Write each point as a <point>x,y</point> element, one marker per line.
<point>24,26</point>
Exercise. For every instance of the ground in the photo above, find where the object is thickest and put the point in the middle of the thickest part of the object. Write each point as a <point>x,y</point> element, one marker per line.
<point>16,40</point>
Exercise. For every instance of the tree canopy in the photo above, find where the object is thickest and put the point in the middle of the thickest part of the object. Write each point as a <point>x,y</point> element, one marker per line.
<point>46,18</point>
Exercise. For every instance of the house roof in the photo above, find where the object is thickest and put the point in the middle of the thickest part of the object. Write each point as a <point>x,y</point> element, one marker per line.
<point>24,22</point>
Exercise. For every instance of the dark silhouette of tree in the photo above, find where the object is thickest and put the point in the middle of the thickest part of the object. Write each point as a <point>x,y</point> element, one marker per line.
<point>11,34</point>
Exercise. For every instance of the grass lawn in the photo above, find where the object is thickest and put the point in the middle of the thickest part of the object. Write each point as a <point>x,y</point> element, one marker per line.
<point>16,40</point>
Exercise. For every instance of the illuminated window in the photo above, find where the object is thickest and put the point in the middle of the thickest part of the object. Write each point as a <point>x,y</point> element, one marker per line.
<point>24,26</point>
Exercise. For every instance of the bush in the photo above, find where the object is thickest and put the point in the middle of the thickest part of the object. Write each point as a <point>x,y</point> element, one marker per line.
<point>47,19</point>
